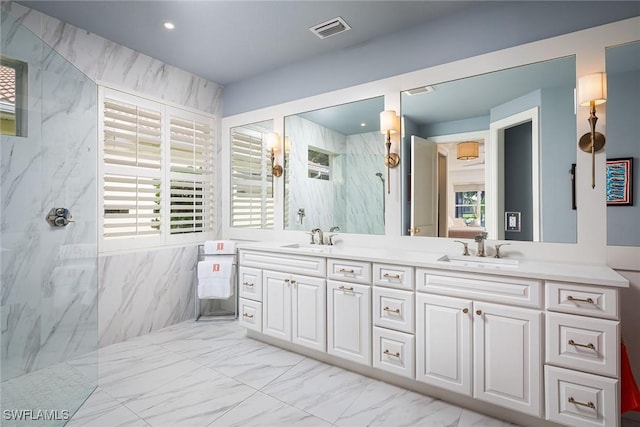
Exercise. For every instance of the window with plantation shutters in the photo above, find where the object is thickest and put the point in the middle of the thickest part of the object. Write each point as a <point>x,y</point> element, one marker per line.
<point>191,172</point>
<point>251,180</point>
<point>157,172</point>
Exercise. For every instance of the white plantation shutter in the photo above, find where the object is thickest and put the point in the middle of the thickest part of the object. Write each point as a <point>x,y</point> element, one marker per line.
<point>157,172</point>
<point>191,173</point>
<point>132,155</point>
<point>251,192</point>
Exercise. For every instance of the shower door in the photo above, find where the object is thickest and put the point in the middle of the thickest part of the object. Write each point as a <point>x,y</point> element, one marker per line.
<point>48,231</point>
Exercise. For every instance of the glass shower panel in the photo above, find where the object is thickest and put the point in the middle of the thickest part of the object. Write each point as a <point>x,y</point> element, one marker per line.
<point>48,272</point>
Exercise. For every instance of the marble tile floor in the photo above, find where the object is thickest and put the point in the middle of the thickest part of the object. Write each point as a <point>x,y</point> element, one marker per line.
<point>198,374</point>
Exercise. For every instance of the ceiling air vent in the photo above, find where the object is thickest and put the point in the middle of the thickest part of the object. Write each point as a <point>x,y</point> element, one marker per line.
<point>330,28</point>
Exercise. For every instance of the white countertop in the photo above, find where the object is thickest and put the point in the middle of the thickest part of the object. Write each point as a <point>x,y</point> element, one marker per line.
<point>547,270</point>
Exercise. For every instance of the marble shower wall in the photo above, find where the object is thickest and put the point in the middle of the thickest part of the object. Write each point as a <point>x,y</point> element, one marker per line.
<point>352,199</point>
<point>104,61</point>
<point>364,190</point>
<point>48,275</point>
<point>323,201</point>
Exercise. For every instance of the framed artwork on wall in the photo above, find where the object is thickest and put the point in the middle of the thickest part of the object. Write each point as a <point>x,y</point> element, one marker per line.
<point>620,181</point>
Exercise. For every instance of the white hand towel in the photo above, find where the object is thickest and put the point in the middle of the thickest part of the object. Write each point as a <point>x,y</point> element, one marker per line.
<point>215,288</point>
<point>216,267</point>
<point>219,247</point>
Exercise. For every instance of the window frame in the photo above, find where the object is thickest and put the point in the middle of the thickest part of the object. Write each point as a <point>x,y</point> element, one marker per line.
<point>165,175</point>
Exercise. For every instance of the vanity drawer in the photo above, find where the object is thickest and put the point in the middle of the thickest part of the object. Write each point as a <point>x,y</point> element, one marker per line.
<point>393,352</point>
<point>351,271</point>
<point>393,309</point>
<point>579,399</point>
<point>250,313</point>
<point>250,283</point>
<point>581,299</point>
<point>307,265</point>
<point>483,287</point>
<point>583,343</point>
<point>393,276</point>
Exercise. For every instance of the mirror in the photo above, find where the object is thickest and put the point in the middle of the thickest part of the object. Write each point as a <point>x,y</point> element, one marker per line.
<point>334,169</point>
<point>251,176</point>
<point>492,153</point>
<point>623,127</point>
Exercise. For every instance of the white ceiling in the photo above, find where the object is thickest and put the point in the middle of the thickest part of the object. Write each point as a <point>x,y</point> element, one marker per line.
<point>229,41</point>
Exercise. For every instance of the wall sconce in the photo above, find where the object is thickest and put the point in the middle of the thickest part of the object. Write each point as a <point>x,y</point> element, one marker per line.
<point>592,91</point>
<point>273,145</point>
<point>389,123</point>
<point>467,150</point>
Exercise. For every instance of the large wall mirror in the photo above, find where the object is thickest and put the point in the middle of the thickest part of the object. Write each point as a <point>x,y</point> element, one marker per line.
<point>492,153</point>
<point>623,128</point>
<point>251,176</point>
<point>334,166</point>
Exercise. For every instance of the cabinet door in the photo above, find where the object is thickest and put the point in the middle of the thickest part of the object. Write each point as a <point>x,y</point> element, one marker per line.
<point>308,308</point>
<point>508,356</point>
<point>443,339</point>
<point>349,321</point>
<point>276,304</point>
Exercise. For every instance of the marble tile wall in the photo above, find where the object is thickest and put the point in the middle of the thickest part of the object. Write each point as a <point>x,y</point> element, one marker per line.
<point>48,275</point>
<point>103,61</point>
<point>352,199</point>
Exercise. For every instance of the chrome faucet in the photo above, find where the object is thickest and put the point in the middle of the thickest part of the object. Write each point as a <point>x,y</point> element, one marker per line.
<point>318,231</point>
<point>465,247</point>
<point>331,230</point>
<point>480,238</point>
<point>497,255</point>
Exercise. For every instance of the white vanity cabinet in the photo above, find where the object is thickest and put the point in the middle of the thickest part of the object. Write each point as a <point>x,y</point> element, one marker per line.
<point>490,351</point>
<point>284,296</point>
<point>520,339</point>
<point>250,298</point>
<point>294,308</point>
<point>393,319</point>
<point>349,310</point>
<point>582,354</point>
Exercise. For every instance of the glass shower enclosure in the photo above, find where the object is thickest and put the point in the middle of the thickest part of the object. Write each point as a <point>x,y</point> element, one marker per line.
<point>48,231</point>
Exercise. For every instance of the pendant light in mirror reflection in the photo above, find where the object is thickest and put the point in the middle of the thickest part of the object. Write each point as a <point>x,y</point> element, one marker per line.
<point>592,91</point>
<point>389,124</point>
<point>467,150</point>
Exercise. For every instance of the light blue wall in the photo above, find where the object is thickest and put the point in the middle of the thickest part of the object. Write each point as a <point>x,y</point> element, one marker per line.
<point>487,27</point>
<point>623,140</point>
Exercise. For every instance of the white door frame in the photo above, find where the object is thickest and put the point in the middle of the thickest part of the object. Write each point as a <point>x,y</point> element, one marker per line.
<point>494,161</point>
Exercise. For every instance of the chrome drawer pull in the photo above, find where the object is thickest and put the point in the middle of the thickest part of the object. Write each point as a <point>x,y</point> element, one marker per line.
<point>391,276</point>
<point>588,300</point>
<point>396,354</point>
<point>248,284</point>
<point>588,404</point>
<point>286,280</point>
<point>250,316</point>
<point>345,288</point>
<point>397,310</point>
<point>573,343</point>
<point>344,270</point>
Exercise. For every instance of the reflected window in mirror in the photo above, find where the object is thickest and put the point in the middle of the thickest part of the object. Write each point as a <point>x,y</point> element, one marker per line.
<point>623,128</point>
<point>13,97</point>
<point>509,137</point>
<point>334,169</point>
<point>251,178</point>
<point>319,165</point>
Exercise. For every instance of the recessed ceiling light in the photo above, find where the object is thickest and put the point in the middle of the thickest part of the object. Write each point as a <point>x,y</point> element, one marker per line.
<point>169,25</point>
<point>363,124</point>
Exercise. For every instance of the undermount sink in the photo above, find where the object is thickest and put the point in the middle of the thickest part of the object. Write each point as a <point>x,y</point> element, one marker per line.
<point>309,248</point>
<point>480,262</point>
